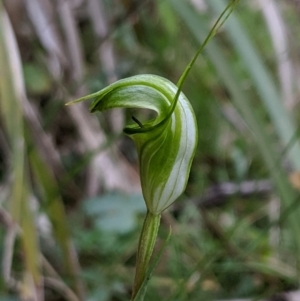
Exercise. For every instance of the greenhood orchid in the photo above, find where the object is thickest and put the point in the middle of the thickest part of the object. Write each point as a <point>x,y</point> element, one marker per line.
<point>165,144</point>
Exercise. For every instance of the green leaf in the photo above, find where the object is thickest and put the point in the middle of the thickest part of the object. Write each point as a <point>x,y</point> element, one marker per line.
<point>115,212</point>
<point>265,85</point>
<point>37,81</point>
<point>11,95</point>
<point>142,291</point>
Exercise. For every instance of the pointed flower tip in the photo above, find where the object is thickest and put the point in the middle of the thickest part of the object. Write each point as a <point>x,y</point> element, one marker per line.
<point>70,102</point>
<point>84,98</point>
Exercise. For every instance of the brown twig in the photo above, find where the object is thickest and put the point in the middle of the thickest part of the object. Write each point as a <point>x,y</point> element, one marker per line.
<point>219,194</point>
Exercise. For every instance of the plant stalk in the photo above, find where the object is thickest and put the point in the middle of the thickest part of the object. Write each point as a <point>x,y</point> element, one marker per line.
<point>145,249</point>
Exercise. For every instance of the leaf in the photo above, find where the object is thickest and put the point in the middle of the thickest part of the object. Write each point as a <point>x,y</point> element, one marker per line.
<point>37,81</point>
<point>142,291</point>
<point>263,82</point>
<point>115,212</point>
<point>11,93</point>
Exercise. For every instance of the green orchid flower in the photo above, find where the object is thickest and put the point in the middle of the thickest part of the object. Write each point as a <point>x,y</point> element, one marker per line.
<point>166,144</point>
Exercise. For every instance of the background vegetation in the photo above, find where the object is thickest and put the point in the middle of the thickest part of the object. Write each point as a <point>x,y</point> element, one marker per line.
<point>70,202</point>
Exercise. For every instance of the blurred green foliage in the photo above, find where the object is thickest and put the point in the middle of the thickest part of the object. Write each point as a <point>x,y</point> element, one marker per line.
<point>86,225</point>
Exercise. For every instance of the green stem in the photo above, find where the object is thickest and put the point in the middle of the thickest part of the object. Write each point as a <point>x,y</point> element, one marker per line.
<point>145,249</point>
<point>218,24</point>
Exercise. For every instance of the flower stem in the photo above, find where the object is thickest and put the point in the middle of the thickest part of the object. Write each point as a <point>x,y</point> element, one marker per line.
<point>145,249</point>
